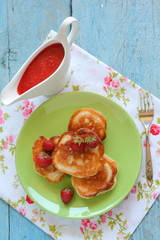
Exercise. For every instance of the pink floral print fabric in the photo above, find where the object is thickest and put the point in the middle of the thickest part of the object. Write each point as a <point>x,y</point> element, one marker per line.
<point>86,74</point>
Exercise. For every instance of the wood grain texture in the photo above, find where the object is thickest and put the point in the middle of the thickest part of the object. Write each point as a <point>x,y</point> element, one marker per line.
<point>125,34</point>
<point>4,76</point>
<point>21,228</point>
<point>4,221</point>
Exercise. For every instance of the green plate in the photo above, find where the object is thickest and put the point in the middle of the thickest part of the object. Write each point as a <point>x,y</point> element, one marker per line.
<point>122,144</point>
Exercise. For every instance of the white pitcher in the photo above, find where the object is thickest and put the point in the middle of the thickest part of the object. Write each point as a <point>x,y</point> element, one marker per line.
<point>55,82</point>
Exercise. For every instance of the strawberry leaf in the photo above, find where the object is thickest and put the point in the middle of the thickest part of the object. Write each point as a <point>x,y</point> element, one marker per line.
<point>78,140</point>
<point>90,139</point>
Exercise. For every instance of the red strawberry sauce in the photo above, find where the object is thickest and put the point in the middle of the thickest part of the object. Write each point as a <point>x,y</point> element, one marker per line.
<point>41,67</point>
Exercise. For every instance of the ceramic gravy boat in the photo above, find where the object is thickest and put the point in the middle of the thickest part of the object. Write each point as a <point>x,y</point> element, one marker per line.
<point>55,82</point>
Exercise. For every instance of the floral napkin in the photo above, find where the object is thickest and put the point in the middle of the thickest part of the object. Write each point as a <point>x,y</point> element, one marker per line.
<point>89,74</point>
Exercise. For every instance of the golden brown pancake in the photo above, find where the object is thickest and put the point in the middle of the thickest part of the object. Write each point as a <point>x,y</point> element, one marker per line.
<point>79,164</point>
<point>102,182</point>
<point>50,172</point>
<point>88,118</point>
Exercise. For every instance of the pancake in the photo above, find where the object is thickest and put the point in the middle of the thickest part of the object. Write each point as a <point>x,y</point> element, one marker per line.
<point>50,172</point>
<point>79,164</point>
<point>102,182</point>
<point>88,118</point>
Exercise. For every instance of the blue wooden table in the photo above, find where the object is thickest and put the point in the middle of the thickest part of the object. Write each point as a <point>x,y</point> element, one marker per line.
<point>124,34</point>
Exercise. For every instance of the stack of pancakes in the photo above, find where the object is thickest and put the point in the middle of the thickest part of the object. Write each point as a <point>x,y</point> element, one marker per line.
<point>92,172</point>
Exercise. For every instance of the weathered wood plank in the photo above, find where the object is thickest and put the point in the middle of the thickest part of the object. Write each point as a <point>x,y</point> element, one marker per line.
<point>4,79</point>
<point>21,228</point>
<point>125,35</point>
<point>4,76</point>
<point>4,221</point>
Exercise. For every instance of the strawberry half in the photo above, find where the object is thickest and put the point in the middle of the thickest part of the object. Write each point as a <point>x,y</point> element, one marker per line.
<point>66,195</point>
<point>77,144</point>
<point>48,145</point>
<point>91,141</point>
<point>43,159</point>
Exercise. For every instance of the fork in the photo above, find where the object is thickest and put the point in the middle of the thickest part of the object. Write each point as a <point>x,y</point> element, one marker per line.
<point>146,113</point>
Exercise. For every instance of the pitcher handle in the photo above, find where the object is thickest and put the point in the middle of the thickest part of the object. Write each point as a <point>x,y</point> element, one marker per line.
<point>74,29</point>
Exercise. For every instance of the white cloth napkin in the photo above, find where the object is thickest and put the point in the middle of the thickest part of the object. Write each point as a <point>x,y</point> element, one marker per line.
<point>88,74</point>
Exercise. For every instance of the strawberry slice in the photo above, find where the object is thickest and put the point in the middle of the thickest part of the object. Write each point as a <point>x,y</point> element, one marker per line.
<point>66,195</point>
<point>77,144</point>
<point>48,145</point>
<point>43,159</point>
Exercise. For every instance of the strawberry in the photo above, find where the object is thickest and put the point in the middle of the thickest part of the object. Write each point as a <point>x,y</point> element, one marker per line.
<point>66,195</point>
<point>29,200</point>
<point>77,147</point>
<point>48,145</point>
<point>91,141</point>
<point>43,159</point>
<point>77,144</point>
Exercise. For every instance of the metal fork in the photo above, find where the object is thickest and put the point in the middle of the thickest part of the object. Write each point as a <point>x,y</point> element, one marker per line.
<point>146,113</point>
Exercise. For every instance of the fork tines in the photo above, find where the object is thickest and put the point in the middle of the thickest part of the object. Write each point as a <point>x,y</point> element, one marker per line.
<point>145,101</point>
